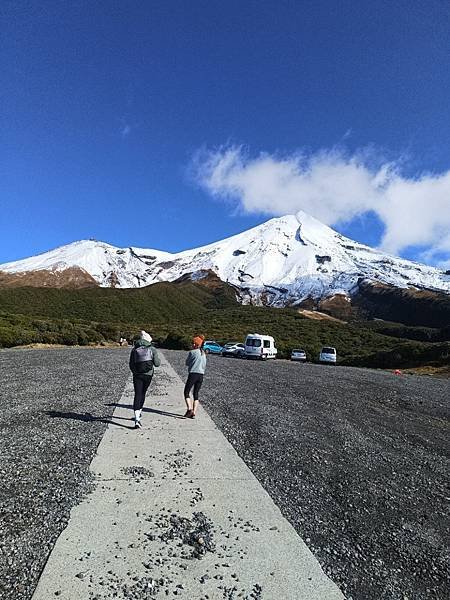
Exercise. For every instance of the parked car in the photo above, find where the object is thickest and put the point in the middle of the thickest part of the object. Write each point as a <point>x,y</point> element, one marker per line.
<point>298,355</point>
<point>210,346</point>
<point>328,355</point>
<point>234,349</point>
<point>260,346</point>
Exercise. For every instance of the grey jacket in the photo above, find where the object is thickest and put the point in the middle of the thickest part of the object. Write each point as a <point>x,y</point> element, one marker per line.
<point>196,361</point>
<point>155,360</point>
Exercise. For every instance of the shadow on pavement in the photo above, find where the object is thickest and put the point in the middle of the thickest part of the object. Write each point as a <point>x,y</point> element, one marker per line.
<point>164,413</point>
<point>86,417</point>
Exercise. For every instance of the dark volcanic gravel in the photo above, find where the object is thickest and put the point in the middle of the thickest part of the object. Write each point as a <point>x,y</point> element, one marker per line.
<point>357,460</point>
<point>196,532</point>
<point>54,407</point>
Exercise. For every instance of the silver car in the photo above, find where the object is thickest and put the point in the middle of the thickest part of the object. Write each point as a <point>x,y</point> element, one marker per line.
<point>327,355</point>
<point>234,349</point>
<point>298,355</point>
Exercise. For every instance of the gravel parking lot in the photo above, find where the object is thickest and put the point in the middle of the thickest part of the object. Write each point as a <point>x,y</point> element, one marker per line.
<point>53,413</point>
<point>357,460</point>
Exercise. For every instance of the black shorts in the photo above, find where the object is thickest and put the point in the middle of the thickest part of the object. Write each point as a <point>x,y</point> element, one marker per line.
<point>195,381</point>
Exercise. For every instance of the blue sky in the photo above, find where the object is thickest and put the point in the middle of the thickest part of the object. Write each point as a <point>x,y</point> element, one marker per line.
<point>163,124</point>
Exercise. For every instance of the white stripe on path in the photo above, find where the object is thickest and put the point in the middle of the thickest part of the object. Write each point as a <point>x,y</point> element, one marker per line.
<point>111,547</point>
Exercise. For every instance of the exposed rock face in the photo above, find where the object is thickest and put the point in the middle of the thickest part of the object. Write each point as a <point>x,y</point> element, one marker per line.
<point>405,305</point>
<point>339,306</point>
<point>113,280</point>
<point>369,300</point>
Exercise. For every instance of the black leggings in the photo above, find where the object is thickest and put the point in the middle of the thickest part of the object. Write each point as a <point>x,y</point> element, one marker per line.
<point>141,383</point>
<point>195,381</point>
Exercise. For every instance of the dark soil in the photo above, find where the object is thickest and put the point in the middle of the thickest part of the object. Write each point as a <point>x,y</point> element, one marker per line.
<point>356,459</point>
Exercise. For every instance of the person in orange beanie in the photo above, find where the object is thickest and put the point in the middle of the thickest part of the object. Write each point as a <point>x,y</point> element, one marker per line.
<point>196,364</point>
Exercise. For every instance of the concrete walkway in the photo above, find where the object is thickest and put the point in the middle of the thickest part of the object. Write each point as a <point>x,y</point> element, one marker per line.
<point>176,513</point>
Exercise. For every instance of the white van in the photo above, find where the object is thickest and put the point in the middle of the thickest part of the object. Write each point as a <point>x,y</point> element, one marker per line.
<point>260,346</point>
<point>328,355</point>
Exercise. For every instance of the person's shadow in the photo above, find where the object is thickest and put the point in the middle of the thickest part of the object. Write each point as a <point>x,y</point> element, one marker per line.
<point>85,417</point>
<point>164,413</point>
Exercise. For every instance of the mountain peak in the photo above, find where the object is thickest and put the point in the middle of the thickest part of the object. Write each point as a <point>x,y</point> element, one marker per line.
<point>281,261</point>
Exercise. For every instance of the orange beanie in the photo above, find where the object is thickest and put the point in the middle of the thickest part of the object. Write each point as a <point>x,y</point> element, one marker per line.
<point>198,340</point>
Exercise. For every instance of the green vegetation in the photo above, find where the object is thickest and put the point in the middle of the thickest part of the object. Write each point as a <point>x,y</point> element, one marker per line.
<point>420,334</point>
<point>173,313</point>
<point>160,303</point>
<point>409,306</point>
<point>407,354</point>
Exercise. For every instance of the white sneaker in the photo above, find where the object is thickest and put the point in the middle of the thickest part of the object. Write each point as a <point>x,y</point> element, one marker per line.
<point>137,424</point>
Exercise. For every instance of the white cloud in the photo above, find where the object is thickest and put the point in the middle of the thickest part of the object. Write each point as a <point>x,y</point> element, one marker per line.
<point>335,187</point>
<point>439,254</point>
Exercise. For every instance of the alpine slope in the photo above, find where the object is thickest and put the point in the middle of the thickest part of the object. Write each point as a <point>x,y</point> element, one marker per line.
<point>280,262</point>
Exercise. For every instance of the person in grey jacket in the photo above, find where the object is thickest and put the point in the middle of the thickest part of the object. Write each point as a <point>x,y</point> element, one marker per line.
<point>196,364</point>
<point>143,358</point>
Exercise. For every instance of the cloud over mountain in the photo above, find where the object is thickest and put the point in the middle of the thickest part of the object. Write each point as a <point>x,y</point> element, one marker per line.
<point>335,188</point>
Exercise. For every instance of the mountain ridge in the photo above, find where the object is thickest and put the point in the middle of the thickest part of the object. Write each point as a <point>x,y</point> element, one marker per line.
<point>282,262</point>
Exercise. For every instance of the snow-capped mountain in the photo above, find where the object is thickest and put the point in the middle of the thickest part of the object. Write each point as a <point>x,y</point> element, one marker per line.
<point>282,261</point>
<point>108,265</point>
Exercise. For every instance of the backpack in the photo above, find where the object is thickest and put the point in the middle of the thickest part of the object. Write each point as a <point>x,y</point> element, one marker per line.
<point>142,360</point>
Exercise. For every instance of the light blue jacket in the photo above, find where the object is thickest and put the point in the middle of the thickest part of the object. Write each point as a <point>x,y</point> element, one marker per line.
<point>196,361</point>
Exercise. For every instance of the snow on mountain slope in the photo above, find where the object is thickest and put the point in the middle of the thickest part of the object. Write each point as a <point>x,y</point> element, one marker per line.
<point>105,263</point>
<point>291,258</point>
<point>281,261</point>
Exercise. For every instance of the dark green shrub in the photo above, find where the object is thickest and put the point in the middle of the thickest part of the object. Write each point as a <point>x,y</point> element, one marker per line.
<point>176,341</point>
<point>82,338</point>
<point>109,331</point>
<point>68,337</point>
<point>404,356</point>
<point>93,336</point>
<point>51,337</point>
<point>7,337</point>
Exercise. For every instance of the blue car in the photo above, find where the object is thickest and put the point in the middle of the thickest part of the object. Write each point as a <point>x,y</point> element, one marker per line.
<point>210,346</point>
